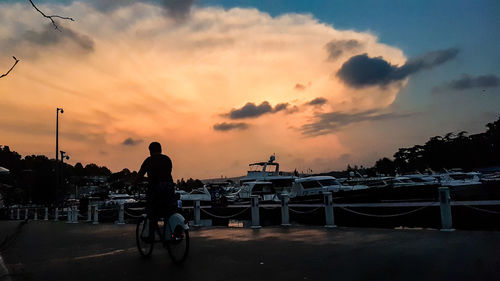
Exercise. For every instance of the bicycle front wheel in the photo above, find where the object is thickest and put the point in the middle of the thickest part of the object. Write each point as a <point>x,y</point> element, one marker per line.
<point>144,246</point>
<point>178,245</point>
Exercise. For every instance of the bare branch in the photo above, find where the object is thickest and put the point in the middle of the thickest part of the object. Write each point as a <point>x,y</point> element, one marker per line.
<point>3,75</point>
<point>51,18</point>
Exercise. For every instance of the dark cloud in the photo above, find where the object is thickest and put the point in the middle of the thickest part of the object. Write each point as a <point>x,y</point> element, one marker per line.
<point>299,87</point>
<point>331,122</point>
<point>361,70</point>
<point>280,107</point>
<point>317,101</point>
<point>467,82</point>
<point>251,110</point>
<point>48,37</point>
<point>230,126</point>
<point>335,48</point>
<point>131,142</point>
<point>178,9</point>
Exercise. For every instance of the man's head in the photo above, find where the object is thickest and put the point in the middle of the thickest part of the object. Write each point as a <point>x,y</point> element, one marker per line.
<point>155,148</point>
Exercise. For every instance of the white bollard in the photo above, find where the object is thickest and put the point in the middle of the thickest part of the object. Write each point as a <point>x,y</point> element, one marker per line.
<point>26,214</point>
<point>17,217</point>
<point>96,215</point>
<point>197,219</point>
<point>121,214</point>
<point>255,211</point>
<point>330,222</point>
<point>69,213</point>
<point>46,217</point>
<point>444,200</point>
<point>35,217</point>
<point>89,213</point>
<point>285,215</point>
<point>75,214</point>
<point>56,215</point>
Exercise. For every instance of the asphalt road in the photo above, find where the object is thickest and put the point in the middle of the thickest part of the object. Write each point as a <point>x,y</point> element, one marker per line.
<point>59,251</point>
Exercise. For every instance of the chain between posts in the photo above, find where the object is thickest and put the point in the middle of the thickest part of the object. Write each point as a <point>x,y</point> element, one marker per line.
<point>384,216</point>
<point>224,217</point>
<point>479,209</point>
<point>304,212</point>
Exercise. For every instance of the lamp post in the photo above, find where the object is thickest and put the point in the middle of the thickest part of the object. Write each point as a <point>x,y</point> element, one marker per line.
<point>57,147</point>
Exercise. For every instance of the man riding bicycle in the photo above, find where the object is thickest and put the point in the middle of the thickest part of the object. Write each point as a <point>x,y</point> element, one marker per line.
<point>160,195</point>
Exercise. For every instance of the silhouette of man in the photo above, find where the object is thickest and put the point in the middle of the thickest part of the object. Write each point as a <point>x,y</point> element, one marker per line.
<point>160,195</point>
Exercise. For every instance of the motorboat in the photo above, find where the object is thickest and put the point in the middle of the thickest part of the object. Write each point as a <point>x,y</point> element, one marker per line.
<point>457,178</point>
<point>316,185</point>
<point>120,198</point>
<point>269,171</point>
<point>264,189</point>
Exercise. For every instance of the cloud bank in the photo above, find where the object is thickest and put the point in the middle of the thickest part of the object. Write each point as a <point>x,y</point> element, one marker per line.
<point>133,69</point>
<point>469,82</point>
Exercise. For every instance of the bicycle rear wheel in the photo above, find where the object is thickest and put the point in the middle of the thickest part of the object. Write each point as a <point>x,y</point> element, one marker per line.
<point>178,245</point>
<point>145,247</point>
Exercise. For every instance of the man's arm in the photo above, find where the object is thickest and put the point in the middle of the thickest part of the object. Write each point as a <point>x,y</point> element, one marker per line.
<point>142,172</point>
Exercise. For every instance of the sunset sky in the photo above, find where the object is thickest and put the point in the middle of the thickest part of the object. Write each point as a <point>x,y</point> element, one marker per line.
<point>220,84</point>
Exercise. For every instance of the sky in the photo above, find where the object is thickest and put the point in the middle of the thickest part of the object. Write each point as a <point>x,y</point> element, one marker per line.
<point>220,84</point>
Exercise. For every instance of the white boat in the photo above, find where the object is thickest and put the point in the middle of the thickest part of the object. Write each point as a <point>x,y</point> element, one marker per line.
<point>119,198</point>
<point>264,189</point>
<point>199,194</point>
<point>414,180</point>
<point>269,171</point>
<point>316,185</point>
<point>456,178</point>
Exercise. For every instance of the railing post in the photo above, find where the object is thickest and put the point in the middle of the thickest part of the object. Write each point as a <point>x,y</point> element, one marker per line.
<point>285,216</point>
<point>46,217</point>
<point>75,214</point>
<point>444,200</point>
<point>56,215</point>
<point>69,213</point>
<point>35,216</point>
<point>96,214</point>
<point>197,219</point>
<point>89,213</point>
<point>255,211</point>
<point>17,216</point>
<point>121,214</point>
<point>330,221</point>
<point>26,213</point>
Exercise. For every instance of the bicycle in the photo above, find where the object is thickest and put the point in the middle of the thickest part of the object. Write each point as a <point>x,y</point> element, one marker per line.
<point>174,235</point>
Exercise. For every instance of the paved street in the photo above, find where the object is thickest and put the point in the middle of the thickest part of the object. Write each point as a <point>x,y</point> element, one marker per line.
<point>59,251</point>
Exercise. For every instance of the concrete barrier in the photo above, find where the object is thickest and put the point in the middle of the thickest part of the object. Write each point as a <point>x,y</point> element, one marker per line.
<point>255,211</point>
<point>285,215</point>
<point>96,215</point>
<point>445,207</point>
<point>330,221</point>
<point>197,220</point>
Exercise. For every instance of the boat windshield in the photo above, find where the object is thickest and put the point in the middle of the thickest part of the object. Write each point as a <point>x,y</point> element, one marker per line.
<point>310,184</point>
<point>329,182</point>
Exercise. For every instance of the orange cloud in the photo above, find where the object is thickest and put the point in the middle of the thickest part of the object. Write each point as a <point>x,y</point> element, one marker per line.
<point>147,76</point>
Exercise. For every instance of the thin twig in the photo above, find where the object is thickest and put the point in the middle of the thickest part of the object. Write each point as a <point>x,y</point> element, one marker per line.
<point>3,75</point>
<point>51,17</point>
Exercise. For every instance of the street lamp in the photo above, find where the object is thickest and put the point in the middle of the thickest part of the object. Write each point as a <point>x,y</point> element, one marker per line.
<point>57,147</point>
<point>57,132</point>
